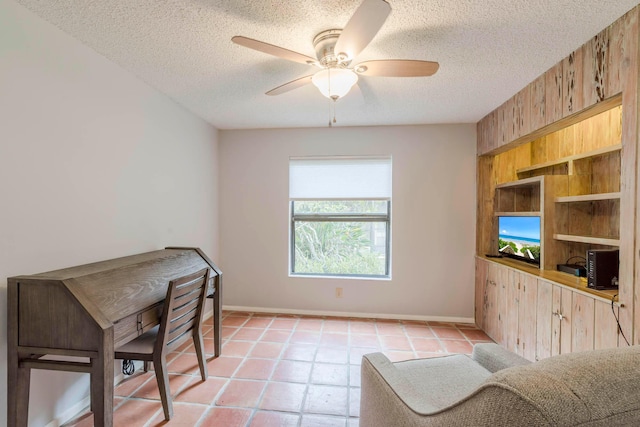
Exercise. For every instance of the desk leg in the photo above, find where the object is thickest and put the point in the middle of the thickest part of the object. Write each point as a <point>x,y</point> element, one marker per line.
<point>18,396</point>
<point>217,318</point>
<point>18,379</point>
<point>102,391</point>
<point>102,382</point>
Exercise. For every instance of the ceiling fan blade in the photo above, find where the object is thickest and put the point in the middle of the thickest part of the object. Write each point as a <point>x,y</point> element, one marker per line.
<point>362,27</point>
<point>397,68</point>
<point>294,84</point>
<point>270,49</point>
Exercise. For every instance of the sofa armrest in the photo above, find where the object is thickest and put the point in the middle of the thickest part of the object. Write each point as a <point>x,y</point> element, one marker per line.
<point>495,358</point>
<point>443,391</point>
<point>425,386</point>
<point>378,366</point>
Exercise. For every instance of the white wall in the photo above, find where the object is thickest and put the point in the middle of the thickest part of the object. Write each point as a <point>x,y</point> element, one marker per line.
<point>433,217</point>
<point>95,164</point>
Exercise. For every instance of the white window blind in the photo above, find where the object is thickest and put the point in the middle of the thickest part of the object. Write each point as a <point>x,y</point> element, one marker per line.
<point>340,178</point>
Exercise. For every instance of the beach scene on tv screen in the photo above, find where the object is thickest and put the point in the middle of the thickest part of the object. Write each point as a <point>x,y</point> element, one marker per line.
<point>519,236</point>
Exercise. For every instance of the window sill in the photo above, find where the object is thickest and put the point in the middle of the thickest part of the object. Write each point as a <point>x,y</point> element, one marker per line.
<point>339,277</point>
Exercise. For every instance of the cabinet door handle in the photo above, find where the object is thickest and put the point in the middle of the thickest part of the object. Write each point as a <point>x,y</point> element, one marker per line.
<point>560,316</point>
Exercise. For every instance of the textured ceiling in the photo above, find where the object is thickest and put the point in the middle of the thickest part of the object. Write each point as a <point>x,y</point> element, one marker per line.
<point>487,50</point>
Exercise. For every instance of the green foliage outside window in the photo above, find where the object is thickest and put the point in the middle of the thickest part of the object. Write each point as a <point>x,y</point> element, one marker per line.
<point>339,247</point>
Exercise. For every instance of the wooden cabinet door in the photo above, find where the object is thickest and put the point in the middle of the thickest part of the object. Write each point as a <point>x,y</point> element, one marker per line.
<point>582,325</point>
<point>512,306</point>
<point>563,319</point>
<point>544,320</point>
<point>490,303</point>
<point>527,316</point>
<point>491,311</point>
<point>503,280</point>
<point>494,302</point>
<point>606,330</point>
<point>481,283</point>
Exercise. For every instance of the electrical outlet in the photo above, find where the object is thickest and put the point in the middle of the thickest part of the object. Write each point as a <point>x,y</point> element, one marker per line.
<point>338,292</point>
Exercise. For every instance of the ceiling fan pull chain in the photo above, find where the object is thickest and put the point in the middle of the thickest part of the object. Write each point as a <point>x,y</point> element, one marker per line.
<point>334,111</point>
<point>330,104</point>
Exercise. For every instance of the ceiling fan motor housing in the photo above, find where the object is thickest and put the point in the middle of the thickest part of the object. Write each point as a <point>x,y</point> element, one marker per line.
<point>324,44</point>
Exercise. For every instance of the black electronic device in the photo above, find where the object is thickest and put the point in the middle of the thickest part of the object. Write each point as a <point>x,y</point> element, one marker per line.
<point>603,268</point>
<point>573,269</point>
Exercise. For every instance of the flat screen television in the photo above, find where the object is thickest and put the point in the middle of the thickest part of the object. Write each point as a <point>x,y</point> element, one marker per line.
<point>519,238</point>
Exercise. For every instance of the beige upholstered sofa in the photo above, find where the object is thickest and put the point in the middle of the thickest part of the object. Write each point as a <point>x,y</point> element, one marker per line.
<point>495,387</point>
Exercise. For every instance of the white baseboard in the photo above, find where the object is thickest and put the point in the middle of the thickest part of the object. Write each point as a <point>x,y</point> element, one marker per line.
<point>447,319</point>
<point>71,413</point>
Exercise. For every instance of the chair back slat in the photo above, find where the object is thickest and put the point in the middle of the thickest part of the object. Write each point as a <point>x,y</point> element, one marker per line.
<point>182,308</point>
<point>181,330</point>
<point>183,323</point>
<point>187,288</point>
<point>178,313</point>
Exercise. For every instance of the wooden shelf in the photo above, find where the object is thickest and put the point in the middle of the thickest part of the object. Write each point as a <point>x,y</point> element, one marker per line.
<point>533,213</point>
<point>570,159</point>
<point>588,197</point>
<point>520,197</point>
<point>522,183</point>
<point>587,239</point>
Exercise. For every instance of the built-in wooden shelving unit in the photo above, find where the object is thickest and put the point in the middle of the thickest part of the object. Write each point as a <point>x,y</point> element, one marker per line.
<point>562,149</point>
<point>571,180</point>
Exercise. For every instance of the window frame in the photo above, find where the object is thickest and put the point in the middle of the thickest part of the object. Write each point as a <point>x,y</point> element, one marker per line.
<point>341,217</point>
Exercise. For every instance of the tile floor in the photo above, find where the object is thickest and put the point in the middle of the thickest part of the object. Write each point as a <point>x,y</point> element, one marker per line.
<point>281,371</point>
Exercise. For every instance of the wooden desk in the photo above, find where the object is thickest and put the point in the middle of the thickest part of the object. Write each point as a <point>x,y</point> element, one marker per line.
<point>85,312</point>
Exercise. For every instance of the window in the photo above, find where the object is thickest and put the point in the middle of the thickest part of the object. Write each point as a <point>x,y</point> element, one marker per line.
<point>340,216</point>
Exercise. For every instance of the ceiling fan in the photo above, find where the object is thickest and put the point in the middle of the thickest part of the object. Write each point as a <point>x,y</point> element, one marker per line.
<point>335,49</point>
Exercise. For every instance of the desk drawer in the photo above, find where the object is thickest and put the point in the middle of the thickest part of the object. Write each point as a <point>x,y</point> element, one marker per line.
<point>149,318</point>
<point>126,329</point>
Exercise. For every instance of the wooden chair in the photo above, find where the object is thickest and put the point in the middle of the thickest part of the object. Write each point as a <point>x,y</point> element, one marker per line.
<point>181,319</point>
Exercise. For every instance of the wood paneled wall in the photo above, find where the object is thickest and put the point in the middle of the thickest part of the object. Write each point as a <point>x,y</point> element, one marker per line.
<point>596,71</point>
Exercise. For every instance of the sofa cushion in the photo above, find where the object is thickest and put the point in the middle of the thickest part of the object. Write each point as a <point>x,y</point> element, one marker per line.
<point>439,382</point>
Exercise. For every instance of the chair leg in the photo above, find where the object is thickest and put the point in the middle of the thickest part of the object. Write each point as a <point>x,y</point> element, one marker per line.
<point>160,366</point>
<point>202,359</point>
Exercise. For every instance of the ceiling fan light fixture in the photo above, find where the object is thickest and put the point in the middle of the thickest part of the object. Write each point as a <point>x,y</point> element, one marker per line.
<point>360,69</point>
<point>334,83</point>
